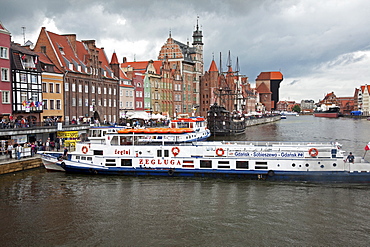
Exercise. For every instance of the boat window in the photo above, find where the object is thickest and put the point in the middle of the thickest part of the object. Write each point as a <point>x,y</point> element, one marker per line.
<point>242,165</point>
<point>83,158</point>
<point>205,164</point>
<point>98,152</point>
<point>78,157</point>
<point>261,165</point>
<point>114,140</point>
<point>110,162</point>
<point>166,153</point>
<point>126,162</point>
<point>223,162</point>
<point>224,166</point>
<point>89,158</point>
<point>159,153</point>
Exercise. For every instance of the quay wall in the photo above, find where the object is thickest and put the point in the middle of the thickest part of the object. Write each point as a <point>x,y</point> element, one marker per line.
<point>13,165</point>
<point>257,121</point>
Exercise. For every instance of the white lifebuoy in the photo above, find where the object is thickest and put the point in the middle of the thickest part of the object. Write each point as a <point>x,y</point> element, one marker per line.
<point>220,152</point>
<point>313,152</point>
<point>175,151</point>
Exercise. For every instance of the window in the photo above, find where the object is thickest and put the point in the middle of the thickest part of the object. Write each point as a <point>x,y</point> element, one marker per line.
<point>51,104</point>
<point>110,91</point>
<point>92,89</point>
<point>58,104</point>
<point>51,87</point>
<point>73,101</point>
<point>73,87</point>
<point>86,102</point>
<point>66,86</point>
<point>105,102</point>
<point>4,52</point>
<point>57,88</point>
<point>45,104</point>
<point>6,97</point>
<point>86,88</point>
<point>80,88</point>
<point>44,90</point>
<point>79,102</point>
<point>114,91</point>
<point>99,90</point>
<point>105,90</point>
<point>4,74</point>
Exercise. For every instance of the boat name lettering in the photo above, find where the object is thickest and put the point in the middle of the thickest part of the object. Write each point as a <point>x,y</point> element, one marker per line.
<point>158,162</point>
<point>121,152</point>
<point>267,154</point>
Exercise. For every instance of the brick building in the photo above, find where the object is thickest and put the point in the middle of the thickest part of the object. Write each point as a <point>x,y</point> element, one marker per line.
<point>5,77</point>
<point>90,87</point>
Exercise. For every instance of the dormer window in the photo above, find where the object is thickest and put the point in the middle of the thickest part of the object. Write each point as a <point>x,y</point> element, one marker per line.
<point>61,50</point>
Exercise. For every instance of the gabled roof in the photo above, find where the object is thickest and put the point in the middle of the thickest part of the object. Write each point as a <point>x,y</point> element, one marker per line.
<point>262,88</point>
<point>114,59</point>
<point>274,75</point>
<point>73,52</point>
<point>3,29</point>
<point>143,65</point>
<point>45,60</point>
<point>213,67</point>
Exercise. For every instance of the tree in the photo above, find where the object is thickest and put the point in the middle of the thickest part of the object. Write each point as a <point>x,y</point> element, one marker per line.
<point>296,108</point>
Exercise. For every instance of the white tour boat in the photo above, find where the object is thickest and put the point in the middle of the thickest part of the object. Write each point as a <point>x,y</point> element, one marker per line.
<point>178,131</point>
<point>124,154</point>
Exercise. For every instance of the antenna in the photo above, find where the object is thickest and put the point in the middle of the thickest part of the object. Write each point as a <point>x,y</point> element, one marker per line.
<point>24,35</point>
<point>220,64</point>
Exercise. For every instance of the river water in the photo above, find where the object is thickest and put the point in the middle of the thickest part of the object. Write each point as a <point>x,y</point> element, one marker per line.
<point>39,208</point>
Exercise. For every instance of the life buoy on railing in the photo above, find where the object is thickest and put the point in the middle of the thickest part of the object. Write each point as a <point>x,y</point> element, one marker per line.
<point>175,151</point>
<point>220,152</point>
<point>84,149</point>
<point>313,152</point>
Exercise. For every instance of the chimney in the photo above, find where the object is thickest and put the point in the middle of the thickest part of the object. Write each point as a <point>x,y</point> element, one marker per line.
<point>124,60</point>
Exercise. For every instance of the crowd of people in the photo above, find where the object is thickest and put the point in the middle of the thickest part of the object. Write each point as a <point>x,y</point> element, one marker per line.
<point>31,148</point>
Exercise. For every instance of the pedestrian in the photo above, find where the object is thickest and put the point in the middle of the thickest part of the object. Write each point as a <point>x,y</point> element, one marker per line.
<point>18,150</point>
<point>65,153</point>
<point>47,145</point>
<point>350,158</point>
<point>10,151</point>
<point>33,149</point>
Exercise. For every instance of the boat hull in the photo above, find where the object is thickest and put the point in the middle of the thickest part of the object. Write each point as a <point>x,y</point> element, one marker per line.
<point>50,161</point>
<point>327,114</point>
<point>297,176</point>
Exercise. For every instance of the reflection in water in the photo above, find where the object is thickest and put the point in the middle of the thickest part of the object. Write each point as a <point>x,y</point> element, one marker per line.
<point>40,208</point>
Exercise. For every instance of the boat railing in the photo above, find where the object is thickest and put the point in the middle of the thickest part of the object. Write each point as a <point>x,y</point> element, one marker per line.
<point>270,144</point>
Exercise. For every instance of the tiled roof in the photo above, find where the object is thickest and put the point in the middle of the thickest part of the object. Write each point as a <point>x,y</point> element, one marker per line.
<point>274,75</point>
<point>71,51</point>
<point>114,59</point>
<point>213,67</point>
<point>142,66</point>
<point>262,88</point>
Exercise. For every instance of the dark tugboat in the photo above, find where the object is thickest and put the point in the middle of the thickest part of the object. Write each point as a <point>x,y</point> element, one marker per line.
<point>223,122</point>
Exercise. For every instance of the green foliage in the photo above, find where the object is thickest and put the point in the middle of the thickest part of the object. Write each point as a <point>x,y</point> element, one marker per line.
<point>296,108</point>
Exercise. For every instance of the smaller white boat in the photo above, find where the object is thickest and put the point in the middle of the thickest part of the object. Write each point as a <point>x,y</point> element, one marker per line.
<point>49,160</point>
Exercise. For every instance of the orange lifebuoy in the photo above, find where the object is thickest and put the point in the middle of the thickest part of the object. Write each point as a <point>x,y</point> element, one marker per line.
<point>175,151</point>
<point>84,149</point>
<point>313,152</point>
<point>220,152</point>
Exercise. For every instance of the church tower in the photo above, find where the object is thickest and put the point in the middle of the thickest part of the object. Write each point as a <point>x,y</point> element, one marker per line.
<point>198,59</point>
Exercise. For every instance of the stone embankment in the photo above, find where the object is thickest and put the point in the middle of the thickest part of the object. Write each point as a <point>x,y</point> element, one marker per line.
<point>8,165</point>
<point>257,121</point>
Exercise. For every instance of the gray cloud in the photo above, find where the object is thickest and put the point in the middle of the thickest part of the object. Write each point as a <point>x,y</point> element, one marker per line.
<point>295,36</point>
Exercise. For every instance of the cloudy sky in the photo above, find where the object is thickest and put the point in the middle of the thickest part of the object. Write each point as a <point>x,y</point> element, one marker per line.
<point>319,46</point>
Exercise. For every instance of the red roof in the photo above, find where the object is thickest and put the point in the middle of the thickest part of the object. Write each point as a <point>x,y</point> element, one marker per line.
<point>262,88</point>
<point>71,51</point>
<point>274,75</point>
<point>142,65</point>
<point>213,67</point>
<point>114,59</point>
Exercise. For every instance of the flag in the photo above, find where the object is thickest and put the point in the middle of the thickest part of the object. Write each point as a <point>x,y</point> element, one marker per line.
<point>367,146</point>
<point>24,57</point>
